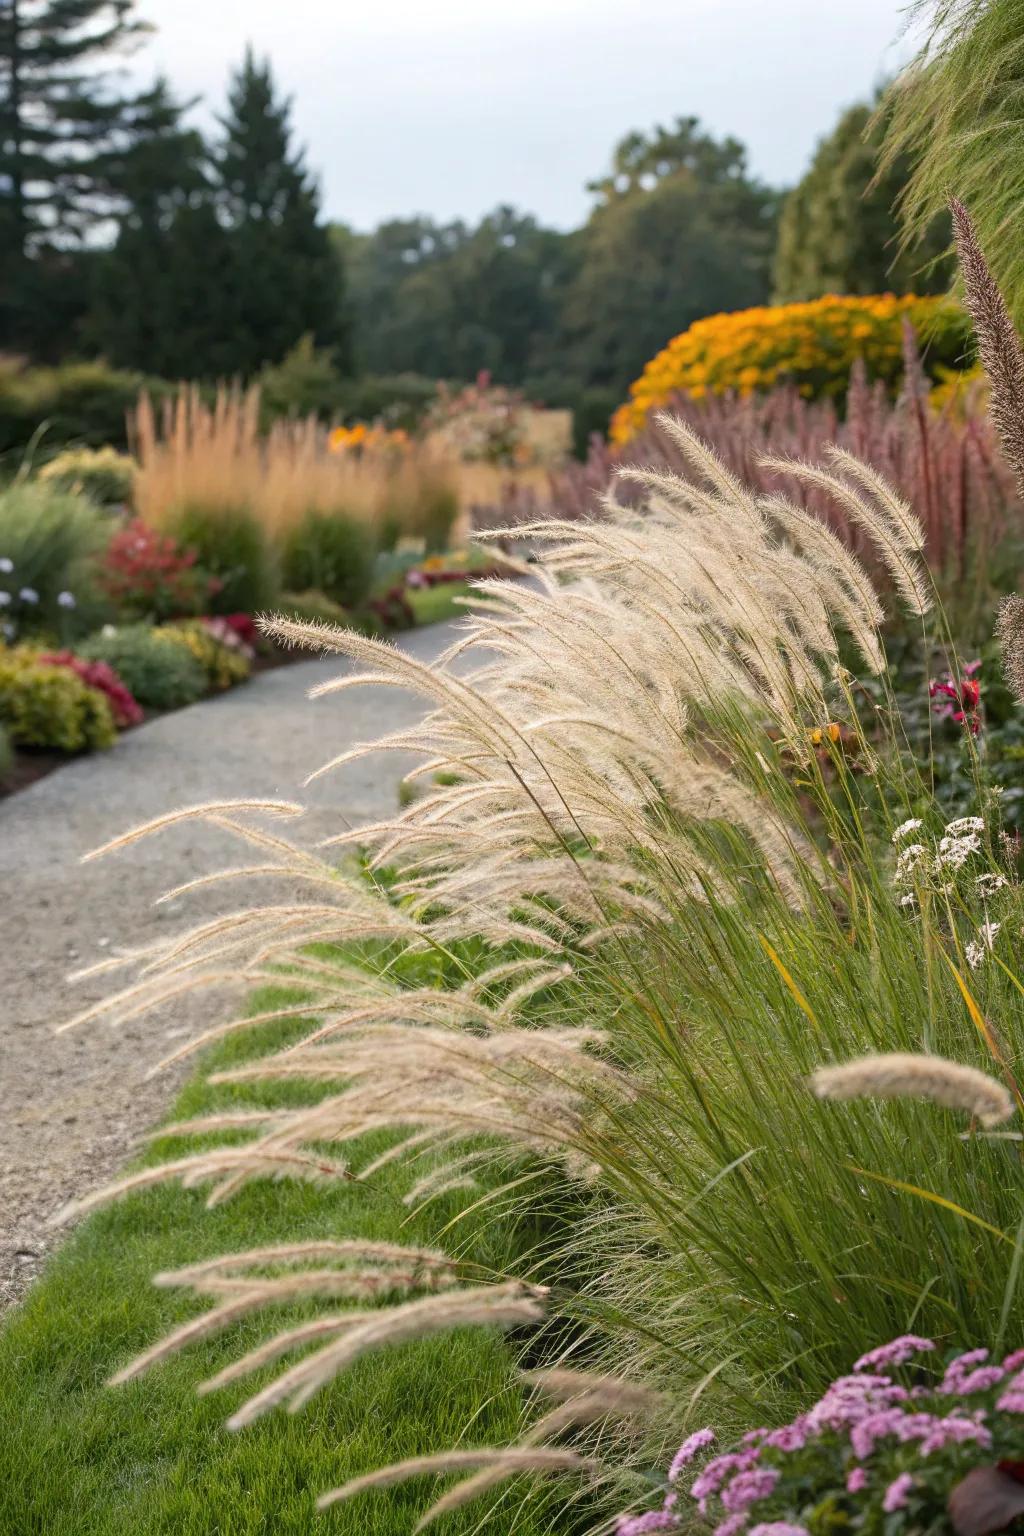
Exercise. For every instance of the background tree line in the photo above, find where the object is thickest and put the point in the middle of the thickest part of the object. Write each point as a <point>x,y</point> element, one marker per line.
<point>127,234</point>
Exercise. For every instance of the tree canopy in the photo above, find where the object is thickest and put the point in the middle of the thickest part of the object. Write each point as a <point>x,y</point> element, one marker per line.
<point>839,232</point>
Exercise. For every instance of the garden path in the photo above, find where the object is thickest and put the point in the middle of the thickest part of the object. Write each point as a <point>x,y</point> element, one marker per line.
<point>72,1105</point>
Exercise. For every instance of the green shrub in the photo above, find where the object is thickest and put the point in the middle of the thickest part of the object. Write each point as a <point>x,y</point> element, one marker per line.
<point>50,707</point>
<point>160,671</point>
<point>81,403</point>
<point>331,554</point>
<point>232,547</point>
<point>304,381</point>
<point>102,474</point>
<point>312,607</point>
<point>48,538</point>
<point>223,665</point>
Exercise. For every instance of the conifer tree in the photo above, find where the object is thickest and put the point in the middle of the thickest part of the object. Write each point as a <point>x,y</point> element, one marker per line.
<point>63,129</point>
<point>162,296</point>
<point>286,273</point>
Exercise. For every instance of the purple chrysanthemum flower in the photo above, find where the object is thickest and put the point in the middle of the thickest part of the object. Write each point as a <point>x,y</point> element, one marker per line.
<point>688,1450</point>
<point>894,1353</point>
<point>718,1469</point>
<point>974,1381</point>
<point>954,1430</point>
<point>749,1487</point>
<point>639,1525</point>
<point>896,1493</point>
<point>779,1528</point>
<point>791,1437</point>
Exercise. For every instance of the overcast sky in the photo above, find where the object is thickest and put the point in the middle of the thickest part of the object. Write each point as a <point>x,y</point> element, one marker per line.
<point>449,107</point>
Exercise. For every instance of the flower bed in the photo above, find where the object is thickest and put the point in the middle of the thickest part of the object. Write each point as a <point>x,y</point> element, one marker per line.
<point>812,346</point>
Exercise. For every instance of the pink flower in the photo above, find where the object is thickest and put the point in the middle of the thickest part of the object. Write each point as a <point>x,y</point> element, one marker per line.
<point>954,1430</point>
<point>718,1469</point>
<point>1015,1361</point>
<point>730,1527</point>
<point>778,1528</point>
<point>1012,1401</point>
<point>749,1487</point>
<point>639,1525</point>
<point>856,1480</point>
<point>896,1493</point>
<point>894,1353</point>
<point>688,1450</point>
<point>791,1437</point>
<point>975,1381</point>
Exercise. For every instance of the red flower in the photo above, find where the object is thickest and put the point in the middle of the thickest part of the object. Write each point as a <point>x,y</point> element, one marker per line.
<point>98,675</point>
<point>959,701</point>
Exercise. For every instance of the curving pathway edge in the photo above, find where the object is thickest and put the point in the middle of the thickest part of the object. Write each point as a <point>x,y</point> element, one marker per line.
<point>72,1105</point>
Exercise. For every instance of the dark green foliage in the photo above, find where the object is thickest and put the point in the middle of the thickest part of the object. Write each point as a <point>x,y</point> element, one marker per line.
<point>680,231</point>
<point>448,300</point>
<point>160,673</point>
<point>958,116</point>
<point>6,756</point>
<point>838,229</point>
<point>232,547</point>
<point>66,128</point>
<point>162,296</point>
<point>84,404</point>
<point>286,278</point>
<point>332,554</point>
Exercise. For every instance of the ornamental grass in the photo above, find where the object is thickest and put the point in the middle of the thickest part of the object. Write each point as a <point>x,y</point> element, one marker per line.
<point>217,458</point>
<point>672,858</point>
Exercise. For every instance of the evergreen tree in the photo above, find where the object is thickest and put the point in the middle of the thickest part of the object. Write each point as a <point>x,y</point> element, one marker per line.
<point>838,231</point>
<point>286,273</point>
<point>62,129</point>
<point>162,295</point>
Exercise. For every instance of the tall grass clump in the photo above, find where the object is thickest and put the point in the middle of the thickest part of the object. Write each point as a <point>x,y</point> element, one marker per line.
<point>685,877</point>
<point>48,540</point>
<point>217,457</point>
<point>956,116</point>
<point>945,460</point>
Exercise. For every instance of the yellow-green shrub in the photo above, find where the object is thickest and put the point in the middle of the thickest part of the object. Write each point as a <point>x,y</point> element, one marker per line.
<point>102,474</point>
<point>812,345</point>
<point>50,707</point>
<point>223,666</point>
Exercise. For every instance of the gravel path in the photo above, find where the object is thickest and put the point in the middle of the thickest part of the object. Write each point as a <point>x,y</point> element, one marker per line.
<point>72,1105</point>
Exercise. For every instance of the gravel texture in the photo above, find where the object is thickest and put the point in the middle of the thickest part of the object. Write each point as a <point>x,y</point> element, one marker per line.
<point>72,1106</point>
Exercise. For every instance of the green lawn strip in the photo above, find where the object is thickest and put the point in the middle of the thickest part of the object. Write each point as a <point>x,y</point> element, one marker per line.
<point>433,604</point>
<point>78,1458</point>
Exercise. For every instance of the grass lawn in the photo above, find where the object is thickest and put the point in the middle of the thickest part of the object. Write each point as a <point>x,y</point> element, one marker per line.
<point>78,1458</point>
<point>432,604</point>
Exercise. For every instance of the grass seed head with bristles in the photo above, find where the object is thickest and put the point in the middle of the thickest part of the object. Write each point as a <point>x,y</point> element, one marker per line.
<point>1010,634</point>
<point>900,1075</point>
<point>1002,355</point>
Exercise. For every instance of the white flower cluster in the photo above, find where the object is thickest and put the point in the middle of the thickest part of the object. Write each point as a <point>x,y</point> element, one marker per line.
<point>978,949</point>
<point>917,863</point>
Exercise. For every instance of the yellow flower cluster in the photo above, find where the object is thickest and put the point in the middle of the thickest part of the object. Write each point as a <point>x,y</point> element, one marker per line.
<point>363,438</point>
<point>811,345</point>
